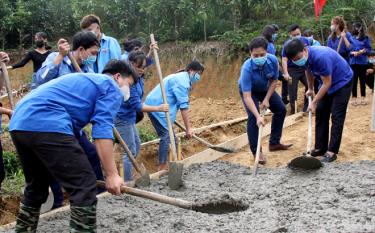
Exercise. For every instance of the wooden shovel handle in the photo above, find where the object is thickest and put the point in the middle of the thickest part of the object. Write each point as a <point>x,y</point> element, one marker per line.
<point>7,84</point>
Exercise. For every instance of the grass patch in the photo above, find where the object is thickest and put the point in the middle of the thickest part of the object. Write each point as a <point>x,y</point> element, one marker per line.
<point>13,184</point>
<point>147,133</point>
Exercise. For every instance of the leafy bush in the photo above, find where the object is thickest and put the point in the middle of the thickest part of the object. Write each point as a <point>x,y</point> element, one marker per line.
<point>147,133</point>
<point>11,163</point>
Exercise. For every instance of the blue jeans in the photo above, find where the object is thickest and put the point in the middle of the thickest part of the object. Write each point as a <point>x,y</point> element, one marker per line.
<point>129,133</point>
<point>164,139</point>
<point>93,157</point>
<point>277,107</point>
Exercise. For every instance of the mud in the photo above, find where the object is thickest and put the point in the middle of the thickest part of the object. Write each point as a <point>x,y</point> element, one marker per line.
<point>339,197</point>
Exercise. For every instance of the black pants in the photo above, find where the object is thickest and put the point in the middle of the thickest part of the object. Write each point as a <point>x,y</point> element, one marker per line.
<point>370,77</point>
<point>359,71</point>
<point>335,105</point>
<point>45,156</point>
<point>284,88</point>
<point>298,75</point>
<point>2,169</point>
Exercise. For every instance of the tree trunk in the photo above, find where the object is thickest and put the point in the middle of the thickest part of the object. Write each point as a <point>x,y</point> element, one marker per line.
<point>236,12</point>
<point>175,28</point>
<point>205,30</point>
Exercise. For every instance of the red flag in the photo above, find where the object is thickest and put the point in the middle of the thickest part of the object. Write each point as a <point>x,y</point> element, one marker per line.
<point>318,5</point>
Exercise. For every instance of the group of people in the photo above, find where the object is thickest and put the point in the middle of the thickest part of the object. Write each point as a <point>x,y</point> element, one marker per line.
<point>329,73</point>
<point>108,88</point>
<point>106,91</point>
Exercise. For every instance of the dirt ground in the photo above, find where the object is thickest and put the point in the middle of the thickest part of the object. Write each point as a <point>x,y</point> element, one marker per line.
<point>356,142</point>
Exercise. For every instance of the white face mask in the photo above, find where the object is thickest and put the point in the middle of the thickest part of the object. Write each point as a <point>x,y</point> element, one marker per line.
<point>126,92</point>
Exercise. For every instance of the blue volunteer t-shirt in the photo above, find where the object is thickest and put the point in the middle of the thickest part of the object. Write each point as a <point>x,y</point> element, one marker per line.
<point>67,104</point>
<point>324,61</point>
<point>109,49</point>
<point>177,88</point>
<point>255,78</point>
<point>359,44</point>
<point>306,41</point>
<point>271,48</point>
<point>128,110</point>
<point>334,44</point>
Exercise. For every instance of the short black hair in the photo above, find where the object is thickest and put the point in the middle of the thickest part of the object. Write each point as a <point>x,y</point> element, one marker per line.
<point>86,39</point>
<point>88,20</point>
<point>308,32</point>
<point>268,31</point>
<point>41,35</point>
<point>371,53</point>
<point>137,57</point>
<point>196,66</point>
<point>258,42</point>
<point>275,27</point>
<point>131,44</point>
<point>293,47</point>
<point>118,66</point>
<point>293,27</point>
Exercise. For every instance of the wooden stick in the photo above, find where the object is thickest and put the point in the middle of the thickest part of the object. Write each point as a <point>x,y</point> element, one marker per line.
<point>169,122</point>
<point>338,47</point>
<point>74,63</point>
<point>257,155</point>
<point>7,84</point>
<point>198,130</point>
<point>152,196</point>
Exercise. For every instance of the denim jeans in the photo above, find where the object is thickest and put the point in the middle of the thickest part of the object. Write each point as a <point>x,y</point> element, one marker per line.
<point>164,139</point>
<point>277,107</point>
<point>129,133</point>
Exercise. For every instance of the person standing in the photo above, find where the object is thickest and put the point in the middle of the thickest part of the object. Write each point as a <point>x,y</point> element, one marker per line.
<point>126,118</point>
<point>49,148</point>
<point>361,46</point>
<point>37,56</point>
<point>177,88</point>
<point>293,73</point>
<point>257,83</point>
<point>340,37</point>
<point>109,46</point>
<point>335,77</point>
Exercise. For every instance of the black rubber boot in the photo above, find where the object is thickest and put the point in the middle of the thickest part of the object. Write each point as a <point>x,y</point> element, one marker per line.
<point>83,219</point>
<point>27,219</point>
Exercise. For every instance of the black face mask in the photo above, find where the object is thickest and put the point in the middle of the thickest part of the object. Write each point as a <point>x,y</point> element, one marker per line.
<point>40,43</point>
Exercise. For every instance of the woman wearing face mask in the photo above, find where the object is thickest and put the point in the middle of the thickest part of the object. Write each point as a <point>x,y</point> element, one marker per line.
<point>257,83</point>
<point>177,87</point>
<point>85,50</point>
<point>338,34</point>
<point>361,46</point>
<point>38,55</point>
<point>126,117</point>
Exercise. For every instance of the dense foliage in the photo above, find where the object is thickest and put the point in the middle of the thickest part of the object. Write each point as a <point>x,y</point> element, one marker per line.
<point>171,20</point>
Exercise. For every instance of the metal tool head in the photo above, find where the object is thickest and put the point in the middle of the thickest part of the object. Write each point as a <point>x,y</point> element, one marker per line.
<point>223,149</point>
<point>305,163</point>
<point>175,175</point>
<point>144,180</point>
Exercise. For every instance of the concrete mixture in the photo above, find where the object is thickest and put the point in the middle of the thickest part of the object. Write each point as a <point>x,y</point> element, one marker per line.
<point>337,198</point>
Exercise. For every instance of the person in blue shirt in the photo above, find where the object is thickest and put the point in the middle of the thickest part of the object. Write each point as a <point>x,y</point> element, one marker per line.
<point>85,50</point>
<point>335,77</point>
<point>49,149</point>
<point>109,46</point>
<point>370,70</point>
<point>292,73</point>
<point>270,33</point>
<point>127,116</point>
<point>177,88</point>
<point>338,33</point>
<point>257,83</point>
<point>57,64</point>
<point>136,45</point>
<point>309,34</point>
<point>360,47</point>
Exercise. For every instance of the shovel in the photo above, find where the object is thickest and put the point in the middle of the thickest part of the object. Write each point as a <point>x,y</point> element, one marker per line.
<point>213,207</point>
<point>144,180</point>
<point>306,161</point>
<point>175,167</point>
<point>260,133</point>
<point>209,145</point>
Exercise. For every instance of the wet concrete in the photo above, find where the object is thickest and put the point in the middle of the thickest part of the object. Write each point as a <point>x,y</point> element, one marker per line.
<point>336,198</point>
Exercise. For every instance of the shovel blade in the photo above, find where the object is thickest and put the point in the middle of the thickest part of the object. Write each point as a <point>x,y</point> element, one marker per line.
<point>223,149</point>
<point>175,175</point>
<point>305,163</point>
<point>144,180</point>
